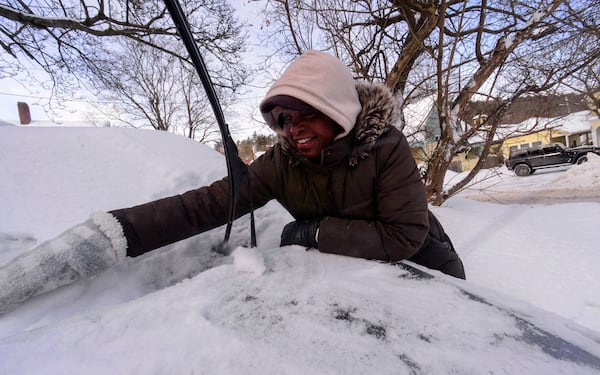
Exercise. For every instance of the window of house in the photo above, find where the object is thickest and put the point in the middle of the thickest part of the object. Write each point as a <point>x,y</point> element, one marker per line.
<point>524,145</point>
<point>535,144</point>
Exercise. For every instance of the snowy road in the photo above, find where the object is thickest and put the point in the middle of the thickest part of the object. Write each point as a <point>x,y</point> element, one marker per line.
<point>550,186</point>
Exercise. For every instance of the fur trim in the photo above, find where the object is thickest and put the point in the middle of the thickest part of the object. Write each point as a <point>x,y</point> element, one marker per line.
<point>379,112</point>
<point>111,227</point>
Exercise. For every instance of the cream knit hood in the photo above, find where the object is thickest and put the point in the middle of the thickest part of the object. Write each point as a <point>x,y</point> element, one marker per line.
<point>321,81</point>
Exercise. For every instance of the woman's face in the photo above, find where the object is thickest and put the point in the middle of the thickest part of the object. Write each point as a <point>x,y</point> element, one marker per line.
<point>308,131</point>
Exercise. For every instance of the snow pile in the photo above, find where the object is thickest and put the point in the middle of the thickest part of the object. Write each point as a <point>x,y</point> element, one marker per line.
<point>577,183</point>
<point>54,178</point>
<point>248,260</point>
<point>584,174</point>
<point>185,309</point>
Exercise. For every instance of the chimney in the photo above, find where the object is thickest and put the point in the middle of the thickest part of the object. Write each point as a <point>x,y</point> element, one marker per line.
<point>24,114</point>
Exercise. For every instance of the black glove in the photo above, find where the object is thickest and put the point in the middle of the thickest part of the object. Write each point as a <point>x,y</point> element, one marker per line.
<point>300,233</point>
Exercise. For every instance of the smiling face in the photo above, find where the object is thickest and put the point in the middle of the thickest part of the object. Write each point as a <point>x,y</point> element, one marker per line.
<point>308,131</point>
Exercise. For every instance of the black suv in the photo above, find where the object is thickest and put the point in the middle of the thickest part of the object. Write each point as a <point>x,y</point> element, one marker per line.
<point>525,161</point>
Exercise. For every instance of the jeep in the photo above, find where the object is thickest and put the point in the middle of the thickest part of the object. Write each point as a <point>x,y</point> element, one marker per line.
<point>526,161</point>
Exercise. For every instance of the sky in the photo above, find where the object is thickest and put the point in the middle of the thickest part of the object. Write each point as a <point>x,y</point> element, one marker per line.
<point>82,109</point>
<point>529,244</point>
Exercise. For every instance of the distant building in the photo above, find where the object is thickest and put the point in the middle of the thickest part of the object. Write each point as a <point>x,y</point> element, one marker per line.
<point>528,122</point>
<point>25,119</point>
<point>571,130</point>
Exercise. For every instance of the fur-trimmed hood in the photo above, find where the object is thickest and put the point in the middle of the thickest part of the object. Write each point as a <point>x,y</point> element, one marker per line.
<point>379,112</point>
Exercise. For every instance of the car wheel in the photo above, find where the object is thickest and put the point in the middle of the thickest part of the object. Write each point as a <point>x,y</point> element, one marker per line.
<point>582,159</point>
<point>522,170</point>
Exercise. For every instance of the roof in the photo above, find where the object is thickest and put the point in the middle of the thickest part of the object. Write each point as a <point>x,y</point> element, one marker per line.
<point>415,114</point>
<point>415,118</point>
<point>5,123</point>
<point>49,123</point>
<point>578,122</point>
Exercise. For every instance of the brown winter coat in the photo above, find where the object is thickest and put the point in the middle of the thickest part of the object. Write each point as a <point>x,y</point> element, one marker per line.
<point>366,189</point>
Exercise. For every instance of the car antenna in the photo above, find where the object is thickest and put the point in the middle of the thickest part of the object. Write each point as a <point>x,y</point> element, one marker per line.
<point>237,170</point>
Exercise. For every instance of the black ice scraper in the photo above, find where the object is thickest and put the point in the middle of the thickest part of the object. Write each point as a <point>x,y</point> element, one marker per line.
<point>237,170</point>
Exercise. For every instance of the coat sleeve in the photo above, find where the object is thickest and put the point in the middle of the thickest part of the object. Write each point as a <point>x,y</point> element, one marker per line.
<point>168,220</point>
<point>401,222</point>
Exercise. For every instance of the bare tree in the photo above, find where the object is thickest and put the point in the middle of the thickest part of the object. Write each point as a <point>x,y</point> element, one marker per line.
<point>587,82</point>
<point>196,118</point>
<point>454,50</point>
<point>145,80</point>
<point>73,41</point>
<point>151,88</point>
<point>587,24</point>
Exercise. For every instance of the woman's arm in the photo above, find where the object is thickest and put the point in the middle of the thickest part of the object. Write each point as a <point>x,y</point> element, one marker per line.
<point>168,220</point>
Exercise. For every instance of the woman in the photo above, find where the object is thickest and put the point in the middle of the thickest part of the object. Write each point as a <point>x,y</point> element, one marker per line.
<point>340,167</point>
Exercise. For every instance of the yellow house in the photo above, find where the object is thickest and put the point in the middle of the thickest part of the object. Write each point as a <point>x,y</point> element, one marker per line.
<point>592,103</point>
<point>575,129</point>
<point>528,140</point>
<point>465,161</point>
<point>596,131</point>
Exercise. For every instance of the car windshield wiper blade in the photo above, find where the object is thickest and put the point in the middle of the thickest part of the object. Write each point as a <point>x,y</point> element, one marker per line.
<point>237,170</point>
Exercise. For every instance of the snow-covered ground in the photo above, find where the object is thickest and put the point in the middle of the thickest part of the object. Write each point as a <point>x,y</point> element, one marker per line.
<point>534,238</point>
<point>529,244</point>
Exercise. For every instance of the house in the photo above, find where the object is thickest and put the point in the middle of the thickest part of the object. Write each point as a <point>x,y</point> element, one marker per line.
<point>25,118</point>
<point>575,129</point>
<point>419,129</point>
<point>5,123</point>
<point>422,131</point>
<point>593,104</point>
<point>466,160</point>
<point>536,120</point>
<point>595,131</point>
